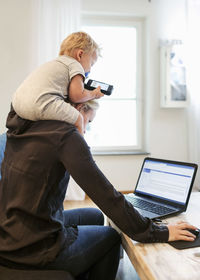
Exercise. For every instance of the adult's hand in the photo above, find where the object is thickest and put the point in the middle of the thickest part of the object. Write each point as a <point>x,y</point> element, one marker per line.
<point>178,231</point>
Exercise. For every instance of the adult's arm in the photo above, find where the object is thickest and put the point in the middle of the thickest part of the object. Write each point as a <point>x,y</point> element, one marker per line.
<point>77,159</point>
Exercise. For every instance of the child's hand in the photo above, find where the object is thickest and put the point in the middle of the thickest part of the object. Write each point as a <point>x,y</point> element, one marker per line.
<point>97,93</point>
<point>80,124</point>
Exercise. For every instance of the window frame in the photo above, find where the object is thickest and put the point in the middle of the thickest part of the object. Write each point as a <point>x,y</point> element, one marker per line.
<point>88,19</point>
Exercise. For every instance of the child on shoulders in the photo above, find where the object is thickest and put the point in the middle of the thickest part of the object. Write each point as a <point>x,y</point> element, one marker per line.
<point>43,94</point>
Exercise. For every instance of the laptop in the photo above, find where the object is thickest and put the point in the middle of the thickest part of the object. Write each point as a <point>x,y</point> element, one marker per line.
<point>163,187</point>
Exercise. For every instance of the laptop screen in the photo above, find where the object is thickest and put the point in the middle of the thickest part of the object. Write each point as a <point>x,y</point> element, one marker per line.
<point>166,180</point>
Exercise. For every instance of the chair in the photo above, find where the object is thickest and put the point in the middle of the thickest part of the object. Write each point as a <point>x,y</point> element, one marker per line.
<point>16,274</point>
<point>2,148</point>
<point>19,274</point>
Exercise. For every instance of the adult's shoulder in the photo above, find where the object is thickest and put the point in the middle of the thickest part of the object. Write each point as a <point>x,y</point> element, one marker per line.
<point>55,126</point>
<point>67,138</point>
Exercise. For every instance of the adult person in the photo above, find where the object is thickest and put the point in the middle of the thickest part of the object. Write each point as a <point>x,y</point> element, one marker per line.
<point>35,232</point>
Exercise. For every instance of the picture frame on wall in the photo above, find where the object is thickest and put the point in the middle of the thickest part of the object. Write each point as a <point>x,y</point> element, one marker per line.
<point>173,86</point>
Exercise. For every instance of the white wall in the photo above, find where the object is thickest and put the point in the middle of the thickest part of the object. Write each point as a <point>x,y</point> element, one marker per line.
<point>166,129</point>
<point>15,50</point>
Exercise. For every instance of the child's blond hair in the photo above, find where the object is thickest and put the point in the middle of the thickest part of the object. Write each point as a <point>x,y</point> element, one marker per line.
<point>88,105</point>
<point>78,40</point>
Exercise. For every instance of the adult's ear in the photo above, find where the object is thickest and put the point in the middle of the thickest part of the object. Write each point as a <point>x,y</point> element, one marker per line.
<point>79,106</point>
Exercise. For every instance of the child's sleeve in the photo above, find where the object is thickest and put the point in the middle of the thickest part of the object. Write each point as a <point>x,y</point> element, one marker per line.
<point>42,95</point>
<point>52,106</point>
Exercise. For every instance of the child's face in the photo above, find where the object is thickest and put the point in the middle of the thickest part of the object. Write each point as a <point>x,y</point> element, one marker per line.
<point>87,60</point>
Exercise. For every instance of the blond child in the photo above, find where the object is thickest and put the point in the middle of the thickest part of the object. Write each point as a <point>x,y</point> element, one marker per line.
<point>42,95</point>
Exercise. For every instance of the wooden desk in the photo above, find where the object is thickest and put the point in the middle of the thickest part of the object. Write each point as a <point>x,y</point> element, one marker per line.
<point>160,261</point>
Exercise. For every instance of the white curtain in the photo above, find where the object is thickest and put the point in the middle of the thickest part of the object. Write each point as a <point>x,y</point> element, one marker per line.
<point>193,47</point>
<point>52,21</point>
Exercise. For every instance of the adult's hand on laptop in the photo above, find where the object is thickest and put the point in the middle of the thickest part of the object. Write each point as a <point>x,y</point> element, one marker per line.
<point>178,231</point>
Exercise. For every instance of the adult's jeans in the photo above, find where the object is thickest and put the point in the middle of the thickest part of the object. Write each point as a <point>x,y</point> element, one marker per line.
<point>94,255</point>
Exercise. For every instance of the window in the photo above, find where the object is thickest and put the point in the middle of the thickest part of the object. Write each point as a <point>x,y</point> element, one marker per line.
<point>118,124</point>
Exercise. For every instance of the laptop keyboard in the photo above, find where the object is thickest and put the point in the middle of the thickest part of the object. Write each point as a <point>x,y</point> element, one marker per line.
<point>149,206</point>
